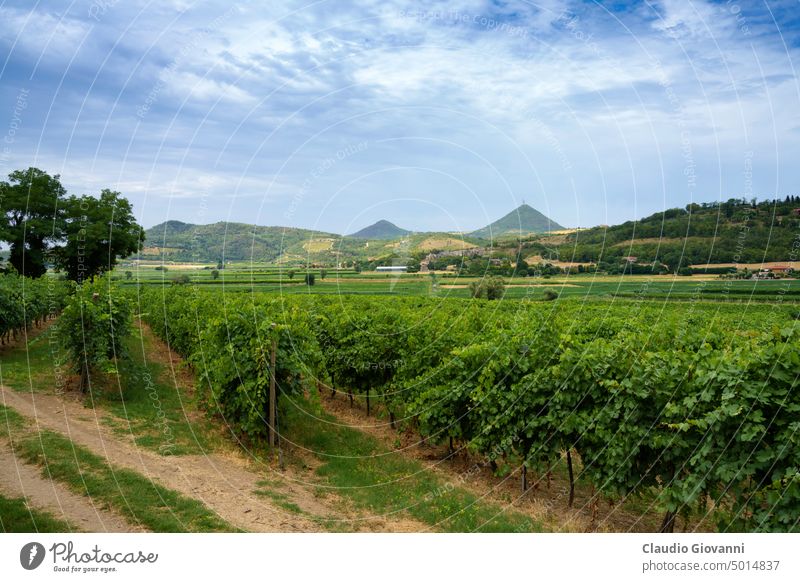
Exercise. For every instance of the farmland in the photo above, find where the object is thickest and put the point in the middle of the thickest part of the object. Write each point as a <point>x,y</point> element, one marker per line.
<point>246,277</point>
<point>620,403</point>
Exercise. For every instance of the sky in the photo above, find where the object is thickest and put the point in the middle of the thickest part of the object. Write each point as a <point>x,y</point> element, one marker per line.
<point>435,115</point>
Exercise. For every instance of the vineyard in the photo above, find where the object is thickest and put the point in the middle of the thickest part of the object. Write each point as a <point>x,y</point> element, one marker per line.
<point>693,407</point>
<point>27,302</point>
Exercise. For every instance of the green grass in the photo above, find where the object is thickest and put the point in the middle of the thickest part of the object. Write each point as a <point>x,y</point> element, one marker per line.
<point>280,499</point>
<point>154,411</point>
<point>137,498</point>
<point>148,405</point>
<point>356,466</point>
<point>35,368</point>
<point>17,517</point>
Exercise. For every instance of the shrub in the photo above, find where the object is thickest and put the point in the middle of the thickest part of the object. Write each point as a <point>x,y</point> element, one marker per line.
<point>488,288</point>
<point>92,328</point>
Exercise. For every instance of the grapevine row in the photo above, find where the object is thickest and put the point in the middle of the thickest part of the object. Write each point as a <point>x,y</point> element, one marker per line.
<point>687,408</point>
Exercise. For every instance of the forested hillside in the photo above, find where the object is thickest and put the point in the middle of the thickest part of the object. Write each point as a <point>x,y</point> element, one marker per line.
<point>736,231</point>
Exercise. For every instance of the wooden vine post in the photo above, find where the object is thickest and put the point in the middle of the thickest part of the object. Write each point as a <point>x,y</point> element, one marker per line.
<point>272,399</point>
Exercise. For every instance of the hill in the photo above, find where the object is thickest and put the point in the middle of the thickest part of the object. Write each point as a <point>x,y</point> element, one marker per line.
<point>736,231</point>
<point>381,230</point>
<point>209,243</point>
<point>522,220</point>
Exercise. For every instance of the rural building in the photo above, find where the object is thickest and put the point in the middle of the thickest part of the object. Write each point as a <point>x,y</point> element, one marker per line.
<point>393,269</point>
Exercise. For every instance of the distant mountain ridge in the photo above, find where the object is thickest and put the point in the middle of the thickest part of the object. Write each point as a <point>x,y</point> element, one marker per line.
<point>698,234</point>
<point>520,221</point>
<point>381,230</point>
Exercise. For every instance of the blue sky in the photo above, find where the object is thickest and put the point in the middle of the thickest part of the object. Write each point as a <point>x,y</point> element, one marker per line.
<point>437,116</point>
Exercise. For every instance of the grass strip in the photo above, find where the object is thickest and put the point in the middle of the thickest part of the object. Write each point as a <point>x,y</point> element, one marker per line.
<point>385,482</point>
<point>137,498</point>
<point>17,517</point>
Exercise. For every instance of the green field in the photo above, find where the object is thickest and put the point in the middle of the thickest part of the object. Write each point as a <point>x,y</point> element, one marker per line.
<point>245,277</point>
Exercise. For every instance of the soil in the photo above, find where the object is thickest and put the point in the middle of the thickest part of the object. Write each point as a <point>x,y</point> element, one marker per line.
<point>544,501</point>
<point>224,481</point>
<point>22,480</point>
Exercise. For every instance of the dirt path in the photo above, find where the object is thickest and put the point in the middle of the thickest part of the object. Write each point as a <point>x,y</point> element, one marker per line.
<point>222,484</point>
<point>226,484</point>
<point>19,479</point>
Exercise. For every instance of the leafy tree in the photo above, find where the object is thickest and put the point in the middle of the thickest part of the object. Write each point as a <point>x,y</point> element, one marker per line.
<point>323,273</point>
<point>98,232</point>
<point>310,279</point>
<point>31,218</point>
<point>291,274</point>
<point>215,274</point>
<point>488,288</point>
<point>220,266</point>
<point>183,279</point>
<point>128,275</point>
<point>550,295</point>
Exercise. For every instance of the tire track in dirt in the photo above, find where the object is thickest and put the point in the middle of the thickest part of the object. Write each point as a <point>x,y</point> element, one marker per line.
<point>19,479</point>
<point>222,484</point>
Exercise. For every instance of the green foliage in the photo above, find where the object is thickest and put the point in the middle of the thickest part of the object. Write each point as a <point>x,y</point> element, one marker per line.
<point>229,347</point>
<point>31,218</point>
<point>488,288</point>
<point>550,295</point>
<point>684,407</point>
<point>717,232</point>
<point>36,217</point>
<point>309,279</point>
<point>98,231</point>
<point>25,302</point>
<point>215,274</point>
<point>93,326</point>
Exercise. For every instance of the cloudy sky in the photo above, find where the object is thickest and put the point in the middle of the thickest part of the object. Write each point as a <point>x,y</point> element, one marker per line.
<point>438,116</point>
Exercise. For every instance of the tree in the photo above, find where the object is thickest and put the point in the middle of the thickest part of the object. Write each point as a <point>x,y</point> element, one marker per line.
<point>128,275</point>
<point>310,279</point>
<point>488,288</point>
<point>31,218</point>
<point>215,274</point>
<point>220,266</point>
<point>98,231</point>
<point>323,273</point>
<point>291,274</point>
